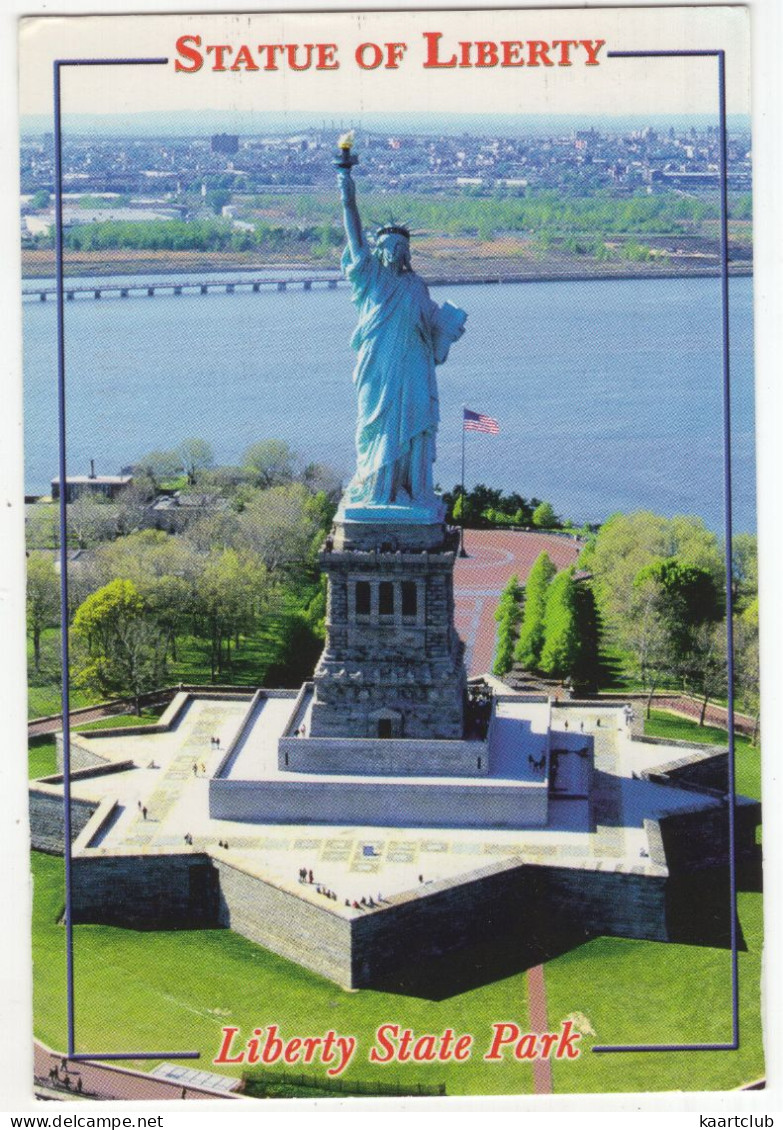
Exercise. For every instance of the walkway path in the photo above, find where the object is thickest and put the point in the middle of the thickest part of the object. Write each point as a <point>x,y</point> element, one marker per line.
<point>102,1081</point>
<point>539,1022</point>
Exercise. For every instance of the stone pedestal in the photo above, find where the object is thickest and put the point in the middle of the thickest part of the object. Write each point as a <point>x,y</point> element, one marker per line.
<point>393,664</point>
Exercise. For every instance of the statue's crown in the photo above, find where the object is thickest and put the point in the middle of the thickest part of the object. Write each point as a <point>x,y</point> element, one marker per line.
<point>393,229</point>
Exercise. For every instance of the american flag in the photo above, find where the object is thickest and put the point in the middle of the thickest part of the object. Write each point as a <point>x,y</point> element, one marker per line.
<point>476,422</point>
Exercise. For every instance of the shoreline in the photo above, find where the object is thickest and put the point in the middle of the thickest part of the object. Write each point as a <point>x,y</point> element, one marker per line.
<point>33,283</point>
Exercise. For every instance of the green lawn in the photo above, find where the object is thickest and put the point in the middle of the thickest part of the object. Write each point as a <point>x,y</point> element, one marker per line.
<point>41,757</point>
<point>177,989</point>
<point>648,992</point>
<point>148,717</point>
<point>747,758</point>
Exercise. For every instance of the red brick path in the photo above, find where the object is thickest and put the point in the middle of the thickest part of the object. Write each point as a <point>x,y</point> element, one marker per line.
<point>536,989</point>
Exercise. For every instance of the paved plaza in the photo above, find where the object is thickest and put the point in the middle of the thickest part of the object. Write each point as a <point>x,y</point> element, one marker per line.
<point>160,805</point>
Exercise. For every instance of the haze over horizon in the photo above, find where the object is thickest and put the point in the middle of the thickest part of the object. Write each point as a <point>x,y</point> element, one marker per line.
<point>254,122</point>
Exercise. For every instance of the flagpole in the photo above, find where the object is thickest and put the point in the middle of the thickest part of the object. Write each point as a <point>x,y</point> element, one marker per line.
<point>462,552</point>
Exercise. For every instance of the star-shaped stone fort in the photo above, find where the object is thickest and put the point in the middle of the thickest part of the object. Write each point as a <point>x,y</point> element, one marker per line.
<point>389,814</point>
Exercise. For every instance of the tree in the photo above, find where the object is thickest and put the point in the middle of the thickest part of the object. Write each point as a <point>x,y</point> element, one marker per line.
<point>196,455</point>
<point>160,465</point>
<point>90,520</point>
<point>164,572</point>
<point>707,667</point>
<point>624,545</point>
<point>283,526</point>
<point>42,526</point>
<point>40,199</point>
<point>544,517</point>
<point>230,594</point>
<point>216,199</point>
<point>672,601</point>
<point>744,569</point>
<point>270,462</point>
<point>43,600</point>
<point>119,648</point>
<point>507,614</point>
<point>531,633</point>
<point>586,672</point>
<point>561,647</point>
<point>746,661</point>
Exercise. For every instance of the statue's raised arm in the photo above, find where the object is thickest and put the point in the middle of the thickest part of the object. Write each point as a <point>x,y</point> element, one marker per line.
<point>351,218</point>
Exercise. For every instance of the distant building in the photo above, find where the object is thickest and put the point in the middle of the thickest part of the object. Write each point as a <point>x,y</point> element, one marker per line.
<point>108,486</point>
<point>225,143</point>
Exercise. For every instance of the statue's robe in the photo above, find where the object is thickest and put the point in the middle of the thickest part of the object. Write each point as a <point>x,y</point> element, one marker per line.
<point>399,341</point>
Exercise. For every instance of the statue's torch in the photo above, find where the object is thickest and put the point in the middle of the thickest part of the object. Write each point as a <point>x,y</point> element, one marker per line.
<point>344,159</point>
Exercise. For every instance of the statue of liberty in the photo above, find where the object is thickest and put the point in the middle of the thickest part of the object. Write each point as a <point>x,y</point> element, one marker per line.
<point>400,337</point>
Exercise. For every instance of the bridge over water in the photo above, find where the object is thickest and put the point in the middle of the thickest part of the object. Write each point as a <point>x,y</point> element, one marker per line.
<point>127,287</point>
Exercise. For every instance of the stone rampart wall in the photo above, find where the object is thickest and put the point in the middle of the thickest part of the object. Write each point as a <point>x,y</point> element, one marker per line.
<point>150,892</point>
<point>81,758</point>
<point>412,804</point>
<point>47,820</point>
<point>390,757</point>
<point>699,839</point>
<point>312,936</point>
<point>502,904</point>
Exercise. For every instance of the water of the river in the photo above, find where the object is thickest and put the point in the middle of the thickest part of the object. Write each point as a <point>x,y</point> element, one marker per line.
<point>608,393</point>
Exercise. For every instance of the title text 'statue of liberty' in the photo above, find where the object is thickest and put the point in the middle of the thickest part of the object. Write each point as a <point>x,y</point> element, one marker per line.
<point>193,54</point>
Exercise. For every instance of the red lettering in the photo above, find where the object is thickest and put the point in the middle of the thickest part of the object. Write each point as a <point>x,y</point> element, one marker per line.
<point>512,50</point>
<point>565,1048</point>
<point>432,59</point>
<point>486,54</point>
<point>462,1047</point>
<point>526,1048</point>
<point>220,50</point>
<point>501,1038</point>
<point>291,1053</point>
<point>548,1040</point>
<point>464,54</point>
<point>253,1045</point>
<point>269,49</point>
<point>404,1053</point>
<point>592,47</point>
<point>388,1047</point>
<point>243,58</point>
<point>225,1048</point>
<point>394,54</point>
<point>445,1044</point>
<point>537,49</point>
<point>424,1049</point>
<point>376,56</point>
<point>183,48</point>
<point>326,57</point>
<point>311,1045</point>
<point>273,1047</point>
<point>292,49</point>
<point>565,46</point>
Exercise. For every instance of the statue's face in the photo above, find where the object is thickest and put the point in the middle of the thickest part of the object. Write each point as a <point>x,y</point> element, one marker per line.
<point>394,251</point>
